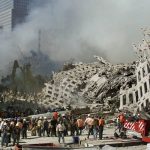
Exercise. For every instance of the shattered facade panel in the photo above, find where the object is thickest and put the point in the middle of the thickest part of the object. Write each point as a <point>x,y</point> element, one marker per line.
<point>139,92</point>
<point>139,95</point>
<point>93,84</point>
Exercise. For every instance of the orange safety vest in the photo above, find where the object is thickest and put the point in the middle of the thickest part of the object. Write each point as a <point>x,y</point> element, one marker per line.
<point>55,115</point>
<point>121,118</point>
<point>101,122</point>
<point>20,125</point>
<point>80,123</point>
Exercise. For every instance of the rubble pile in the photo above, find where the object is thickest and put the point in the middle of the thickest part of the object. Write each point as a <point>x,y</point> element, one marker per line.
<point>96,85</point>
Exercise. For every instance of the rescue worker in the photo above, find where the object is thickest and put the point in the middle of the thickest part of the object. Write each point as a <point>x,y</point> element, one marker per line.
<point>53,127</point>
<point>5,131</point>
<point>89,122</point>
<point>1,121</point>
<point>101,127</point>
<point>73,124</point>
<point>16,134</point>
<point>66,123</point>
<point>33,127</point>
<point>39,126</point>
<point>45,126</point>
<point>24,129</point>
<point>80,125</point>
<point>55,115</point>
<point>12,126</point>
<point>60,128</point>
<point>95,126</point>
<point>49,128</point>
<point>121,121</point>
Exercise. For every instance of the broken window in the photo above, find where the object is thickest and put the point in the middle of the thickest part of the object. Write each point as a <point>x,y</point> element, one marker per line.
<point>68,80</point>
<point>139,76</point>
<point>50,101</point>
<point>69,85</point>
<point>148,68</point>
<point>47,96</point>
<point>147,101</point>
<point>144,73</point>
<point>131,98</point>
<point>66,90</point>
<point>50,92</point>
<point>50,87</point>
<point>65,83</point>
<point>65,94</point>
<point>142,105</point>
<point>124,99</point>
<point>136,95</point>
<point>141,93</point>
<point>55,94</point>
<point>73,82</point>
<point>57,90</point>
<point>145,87</point>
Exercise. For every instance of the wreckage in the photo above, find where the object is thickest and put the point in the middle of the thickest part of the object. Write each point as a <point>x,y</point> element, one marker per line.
<point>137,96</point>
<point>103,86</point>
<point>100,85</point>
<point>95,85</point>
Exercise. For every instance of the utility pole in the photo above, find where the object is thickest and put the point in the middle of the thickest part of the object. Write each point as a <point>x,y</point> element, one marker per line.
<point>39,40</point>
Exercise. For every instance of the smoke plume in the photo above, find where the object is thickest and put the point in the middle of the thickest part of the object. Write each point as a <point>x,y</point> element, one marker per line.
<point>78,29</point>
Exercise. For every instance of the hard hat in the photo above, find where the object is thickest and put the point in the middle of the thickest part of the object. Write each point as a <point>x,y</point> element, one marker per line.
<point>5,124</point>
<point>17,125</point>
<point>12,123</point>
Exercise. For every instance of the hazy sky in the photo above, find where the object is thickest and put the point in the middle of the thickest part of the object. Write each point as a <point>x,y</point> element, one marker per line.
<point>80,29</point>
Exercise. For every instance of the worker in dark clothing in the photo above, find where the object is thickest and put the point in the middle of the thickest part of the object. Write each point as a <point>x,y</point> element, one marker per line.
<point>16,134</point>
<point>101,127</point>
<point>53,126</point>
<point>46,126</point>
<point>24,129</point>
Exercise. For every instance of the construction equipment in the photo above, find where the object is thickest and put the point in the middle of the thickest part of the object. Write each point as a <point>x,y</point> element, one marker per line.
<point>139,125</point>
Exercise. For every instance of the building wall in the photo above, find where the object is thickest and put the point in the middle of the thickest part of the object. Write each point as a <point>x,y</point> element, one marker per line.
<point>13,12</point>
<point>20,11</point>
<point>6,15</point>
<point>67,85</point>
<point>138,94</point>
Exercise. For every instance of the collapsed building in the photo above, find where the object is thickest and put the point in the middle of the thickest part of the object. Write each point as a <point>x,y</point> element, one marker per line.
<point>95,85</point>
<point>100,85</point>
<point>137,96</point>
<point>104,86</point>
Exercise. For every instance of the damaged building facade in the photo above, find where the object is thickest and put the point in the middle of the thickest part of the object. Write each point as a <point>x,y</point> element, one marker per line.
<point>96,85</point>
<point>101,84</point>
<point>138,95</point>
<point>65,85</point>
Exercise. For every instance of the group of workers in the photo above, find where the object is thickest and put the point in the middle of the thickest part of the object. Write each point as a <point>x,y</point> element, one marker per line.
<point>11,130</point>
<point>57,126</point>
<point>60,125</point>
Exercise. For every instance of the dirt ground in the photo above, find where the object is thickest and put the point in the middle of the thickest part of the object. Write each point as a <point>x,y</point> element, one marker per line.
<point>107,133</point>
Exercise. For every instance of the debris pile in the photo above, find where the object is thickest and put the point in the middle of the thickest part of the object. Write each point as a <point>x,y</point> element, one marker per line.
<point>96,85</point>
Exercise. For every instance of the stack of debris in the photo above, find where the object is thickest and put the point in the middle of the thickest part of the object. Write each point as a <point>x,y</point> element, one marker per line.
<point>95,84</point>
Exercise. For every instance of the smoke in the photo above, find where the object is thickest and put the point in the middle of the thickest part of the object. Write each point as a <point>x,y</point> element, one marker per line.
<point>79,29</point>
